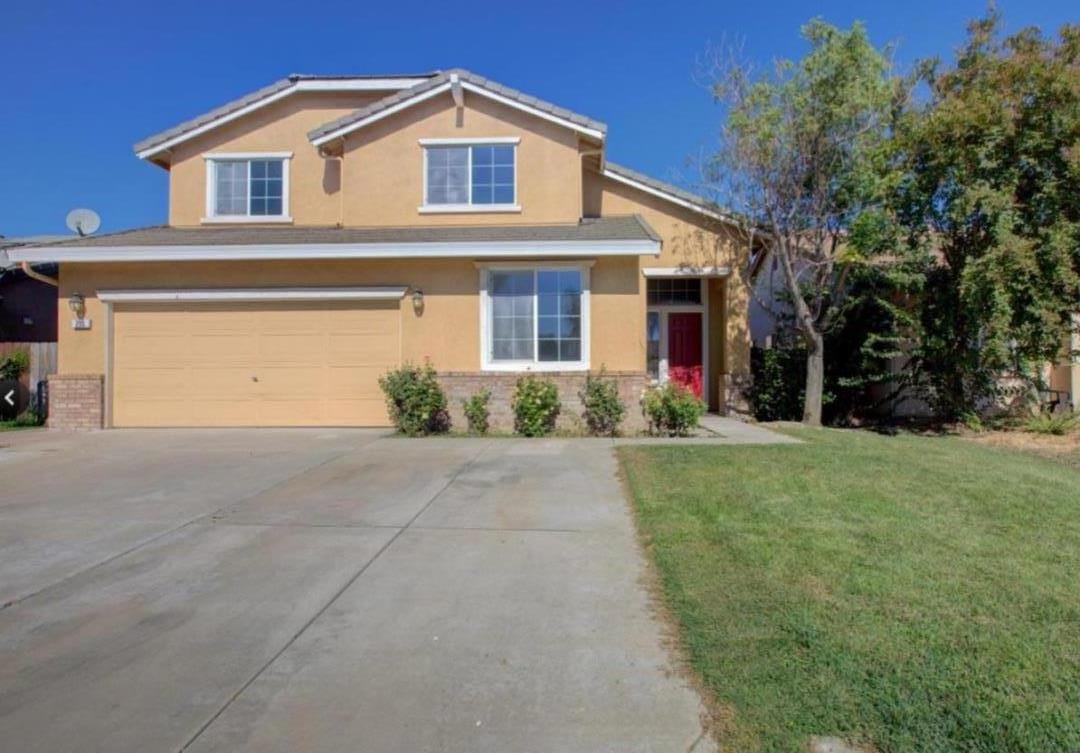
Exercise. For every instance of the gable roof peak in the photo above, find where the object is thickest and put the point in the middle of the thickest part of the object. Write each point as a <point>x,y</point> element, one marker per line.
<point>443,81</point>
<point>283,87</point>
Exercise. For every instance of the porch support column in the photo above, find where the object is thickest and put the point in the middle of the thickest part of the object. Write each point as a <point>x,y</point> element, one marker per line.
<point>716,380</point>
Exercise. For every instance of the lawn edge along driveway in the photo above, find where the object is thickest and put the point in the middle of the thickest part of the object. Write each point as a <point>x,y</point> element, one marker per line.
<point>906,593</point>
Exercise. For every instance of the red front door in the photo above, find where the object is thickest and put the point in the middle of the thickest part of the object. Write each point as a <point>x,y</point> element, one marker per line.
<point>685,365</point>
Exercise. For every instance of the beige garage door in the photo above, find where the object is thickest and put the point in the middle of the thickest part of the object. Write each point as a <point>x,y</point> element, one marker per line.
<point>253,364</point>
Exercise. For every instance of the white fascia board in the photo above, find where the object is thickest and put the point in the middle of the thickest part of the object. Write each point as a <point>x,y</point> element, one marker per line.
<point>380,84</point>
<point>590,132</point>
<point>344,130</point>
<point>253,294</point>
<point>404,104</point>
<point>686,271</point>
<point>357,84</point>
<point>667,196</point>
<point>436,250</point>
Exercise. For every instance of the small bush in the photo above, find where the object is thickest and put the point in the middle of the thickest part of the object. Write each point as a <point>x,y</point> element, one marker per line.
<point>779,380</point>
<point>672,410</point>
<point>28,418</point>
<point>477,413</point>
<point>536,406</point>
<point>604,411</point>
<point>416,402</point>
<point>1057,424</point>
<point>14,364</point>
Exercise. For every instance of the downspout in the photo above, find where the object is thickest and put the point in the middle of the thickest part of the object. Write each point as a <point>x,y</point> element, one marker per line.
<point>35,275</point>
<point>324,152</point>
<point>583,153</point>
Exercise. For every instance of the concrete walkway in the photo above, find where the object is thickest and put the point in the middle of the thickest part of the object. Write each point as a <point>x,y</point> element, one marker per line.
<point>309,590</point>
<point>740,432</point>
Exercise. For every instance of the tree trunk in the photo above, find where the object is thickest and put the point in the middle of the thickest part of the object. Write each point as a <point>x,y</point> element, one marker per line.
<point>815,379</point>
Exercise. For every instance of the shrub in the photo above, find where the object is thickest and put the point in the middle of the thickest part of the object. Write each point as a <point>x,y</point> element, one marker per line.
<point>604,411</point>
<point>779,380</point>
<point>29,418</point>
<point>1057,424</point>
<point>476,411</point>
<point>14,364</point>
<point>672,410</point>
<point>536,406</point>
<point>415,400</point>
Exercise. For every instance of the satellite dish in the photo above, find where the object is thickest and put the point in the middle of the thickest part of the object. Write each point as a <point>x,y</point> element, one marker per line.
<point>83,221</point>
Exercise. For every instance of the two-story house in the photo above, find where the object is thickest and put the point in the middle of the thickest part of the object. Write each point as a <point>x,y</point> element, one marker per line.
<point>325,229</point>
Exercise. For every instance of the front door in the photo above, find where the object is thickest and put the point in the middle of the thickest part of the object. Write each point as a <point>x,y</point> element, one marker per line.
<point>685,365</point>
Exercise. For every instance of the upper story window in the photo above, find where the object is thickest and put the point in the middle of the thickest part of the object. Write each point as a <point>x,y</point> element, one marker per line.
<point>466,176</point>
<point>247,187</point>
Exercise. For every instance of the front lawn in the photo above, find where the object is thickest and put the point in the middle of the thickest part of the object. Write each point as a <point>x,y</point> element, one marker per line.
<point>907,593</point>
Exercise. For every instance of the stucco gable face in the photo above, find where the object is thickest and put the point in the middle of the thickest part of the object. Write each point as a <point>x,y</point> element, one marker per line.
<point>279,127</point>
<point>383,167</point>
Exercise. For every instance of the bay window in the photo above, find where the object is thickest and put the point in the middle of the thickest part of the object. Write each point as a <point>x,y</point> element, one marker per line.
<point>535,318</point>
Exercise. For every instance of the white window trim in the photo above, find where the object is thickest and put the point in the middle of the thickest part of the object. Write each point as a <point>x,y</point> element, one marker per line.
<point>372,293</point>
<point>468,208</point>
<point>470,141</point>
<point>534,365</point>
<point>663,309</point>
<point>211,216</point>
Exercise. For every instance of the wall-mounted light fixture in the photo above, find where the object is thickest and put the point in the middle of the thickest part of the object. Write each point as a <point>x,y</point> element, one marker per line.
<point>418,301</point>
<point>77,304</point>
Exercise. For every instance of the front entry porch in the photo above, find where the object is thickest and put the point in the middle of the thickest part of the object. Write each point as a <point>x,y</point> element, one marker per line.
<point>684,331</point>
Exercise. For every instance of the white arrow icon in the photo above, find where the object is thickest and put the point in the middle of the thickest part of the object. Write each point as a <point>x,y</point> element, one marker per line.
<point>8,396</point>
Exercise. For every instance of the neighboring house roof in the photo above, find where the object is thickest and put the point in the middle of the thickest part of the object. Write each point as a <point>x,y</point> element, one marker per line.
<point>28,240</point>
<point>602,236</point>
<point>664,190</point>
<point>296,82</point>
<point>445,81</point>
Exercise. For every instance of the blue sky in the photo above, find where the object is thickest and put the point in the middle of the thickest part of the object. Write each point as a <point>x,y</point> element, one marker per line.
<point>80,82</point>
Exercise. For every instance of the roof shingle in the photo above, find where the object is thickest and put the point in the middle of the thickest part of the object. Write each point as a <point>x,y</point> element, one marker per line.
<point>621,228</point>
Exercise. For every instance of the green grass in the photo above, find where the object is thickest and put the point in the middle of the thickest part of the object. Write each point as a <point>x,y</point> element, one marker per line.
<point>15,425</point>
<point>909,593</point>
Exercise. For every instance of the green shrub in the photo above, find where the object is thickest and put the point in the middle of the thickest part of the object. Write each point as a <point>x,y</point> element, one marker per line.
<point>14,364</point>
<point>604,411</point>
<point>1057,424</point>
<point>476,411</point>
<point>779,380</point>
<point>536,406</point>
<point>672,410</point>
<point>28,418</point>
<point>416,402</point>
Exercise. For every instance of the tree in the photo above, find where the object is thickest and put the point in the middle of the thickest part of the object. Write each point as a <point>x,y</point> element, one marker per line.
<point>991,194</point>
<point>805,159</point>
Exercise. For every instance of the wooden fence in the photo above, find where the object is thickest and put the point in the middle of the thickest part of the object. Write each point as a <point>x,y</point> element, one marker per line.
<point>42,362</point>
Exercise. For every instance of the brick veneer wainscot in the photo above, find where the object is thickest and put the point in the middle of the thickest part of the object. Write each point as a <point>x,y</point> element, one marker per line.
<point>76,402</point>
<point>460,385</point>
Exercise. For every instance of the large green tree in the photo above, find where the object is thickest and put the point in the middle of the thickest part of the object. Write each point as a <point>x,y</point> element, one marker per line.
<point>991,197</point>
<point>805,158</point>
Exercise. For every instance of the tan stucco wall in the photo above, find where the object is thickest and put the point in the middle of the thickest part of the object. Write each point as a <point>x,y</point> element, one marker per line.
<point>447,332</point>
<point>1065,374</point>
<point>314,196</point>
<point>689,238</point>
<point>379,180</point>
<point>383,171</point>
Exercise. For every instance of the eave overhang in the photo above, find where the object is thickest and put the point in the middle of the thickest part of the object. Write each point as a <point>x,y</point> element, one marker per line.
<point>310,252</point>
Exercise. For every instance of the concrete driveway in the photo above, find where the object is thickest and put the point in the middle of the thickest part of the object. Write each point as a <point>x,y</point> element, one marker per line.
<point>313,590</point>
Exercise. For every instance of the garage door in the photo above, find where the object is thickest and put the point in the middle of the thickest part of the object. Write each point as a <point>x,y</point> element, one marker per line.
<point>253,364</point>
